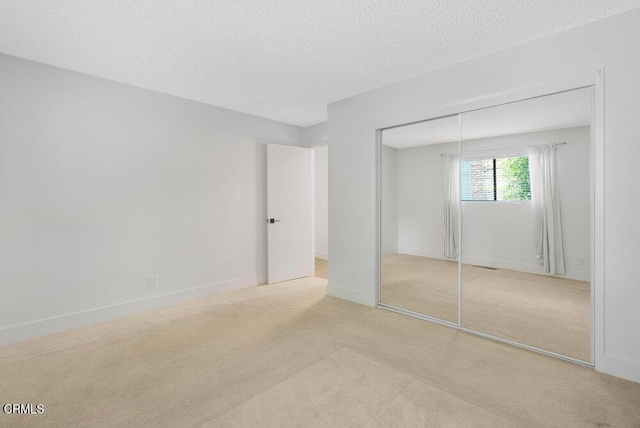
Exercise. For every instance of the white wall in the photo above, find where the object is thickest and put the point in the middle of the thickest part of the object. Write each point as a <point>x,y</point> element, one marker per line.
<point>103,184</point>
<point>613,43</point>
<point>321,168</point>
<point>315,135</point>
<point>420,199</point>
<point>496,234</point>
<point>502,234</point>
<point>389,200</point>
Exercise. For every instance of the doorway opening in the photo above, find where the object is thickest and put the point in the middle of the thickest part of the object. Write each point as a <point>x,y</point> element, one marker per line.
<point>321,172</point>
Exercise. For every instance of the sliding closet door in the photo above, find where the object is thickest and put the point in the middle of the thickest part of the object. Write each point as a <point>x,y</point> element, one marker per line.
<point>525,190</point>
<point>419,218</point>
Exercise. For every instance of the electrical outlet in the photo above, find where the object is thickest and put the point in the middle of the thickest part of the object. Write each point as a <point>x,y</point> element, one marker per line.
<point>581,261</point>
<point>153,281</point>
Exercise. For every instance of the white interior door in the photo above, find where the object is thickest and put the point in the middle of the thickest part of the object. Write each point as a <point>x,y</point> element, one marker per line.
<point>290,212</point>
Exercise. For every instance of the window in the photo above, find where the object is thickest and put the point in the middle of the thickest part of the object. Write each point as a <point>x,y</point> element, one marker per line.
<point>496,179</point>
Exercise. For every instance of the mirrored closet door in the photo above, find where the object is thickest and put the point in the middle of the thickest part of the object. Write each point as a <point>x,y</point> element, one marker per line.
<point>419,218</point>
<point>526,222</point>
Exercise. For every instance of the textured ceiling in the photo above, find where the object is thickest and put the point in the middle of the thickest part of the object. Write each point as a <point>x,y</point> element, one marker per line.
<point>283,60</point>
<point>562,110</point>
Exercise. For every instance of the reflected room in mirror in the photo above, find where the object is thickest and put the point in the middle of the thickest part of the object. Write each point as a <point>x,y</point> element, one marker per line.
<point>418,218</point>
<point>526,215</point>
<point>485,222</point>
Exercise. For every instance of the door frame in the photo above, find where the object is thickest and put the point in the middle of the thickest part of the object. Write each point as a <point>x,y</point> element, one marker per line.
<point>591,78</point>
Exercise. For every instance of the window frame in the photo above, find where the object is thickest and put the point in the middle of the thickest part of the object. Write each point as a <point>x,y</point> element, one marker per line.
<point>494,155</point>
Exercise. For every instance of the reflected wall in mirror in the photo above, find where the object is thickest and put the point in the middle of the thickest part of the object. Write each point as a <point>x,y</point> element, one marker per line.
<point>525,190</point>
<point>419,218</point>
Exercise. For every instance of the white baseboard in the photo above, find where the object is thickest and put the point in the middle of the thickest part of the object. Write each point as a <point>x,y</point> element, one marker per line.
<point>351,295</point>
<point>524,267</point>
<point>389,251</point>
<point>423,253</point>
<point>502,264</point>
<point>322,256</point>
<point>579,275</point>
<point>57,324</point>
<point>619,367</point>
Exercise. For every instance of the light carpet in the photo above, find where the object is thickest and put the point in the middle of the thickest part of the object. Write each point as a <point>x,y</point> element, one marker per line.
<point>322,267</point>
<point>288,355</point>
<point>547,312</point>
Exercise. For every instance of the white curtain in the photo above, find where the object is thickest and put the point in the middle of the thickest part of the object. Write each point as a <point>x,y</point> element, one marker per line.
<point>451,191</point>
<point>546,204</point>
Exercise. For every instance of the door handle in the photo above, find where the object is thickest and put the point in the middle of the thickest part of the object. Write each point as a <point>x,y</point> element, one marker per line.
<point>273,220</point>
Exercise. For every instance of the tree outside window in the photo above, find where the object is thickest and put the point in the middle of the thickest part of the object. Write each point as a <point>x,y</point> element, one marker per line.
<point>496,179</point>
